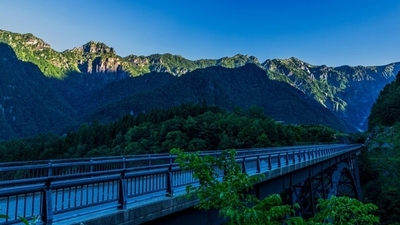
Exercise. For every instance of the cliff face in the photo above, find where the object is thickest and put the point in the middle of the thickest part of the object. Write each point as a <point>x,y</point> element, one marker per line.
<point>98,59</point>
<point>347,91</point>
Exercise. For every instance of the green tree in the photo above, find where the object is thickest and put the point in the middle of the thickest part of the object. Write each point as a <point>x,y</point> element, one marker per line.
<point>232,196</point>
<point>344,211</point>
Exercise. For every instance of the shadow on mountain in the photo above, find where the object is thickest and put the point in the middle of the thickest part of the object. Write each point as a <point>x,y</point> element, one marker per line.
<point>29,104</point>
<point>32,103</point>
<point>228,88</point>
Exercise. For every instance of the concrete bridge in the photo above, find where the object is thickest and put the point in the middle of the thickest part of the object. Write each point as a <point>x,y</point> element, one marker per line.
<point>149,189</point>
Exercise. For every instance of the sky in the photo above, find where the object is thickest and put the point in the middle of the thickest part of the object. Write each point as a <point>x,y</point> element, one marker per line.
<point>319,32</point>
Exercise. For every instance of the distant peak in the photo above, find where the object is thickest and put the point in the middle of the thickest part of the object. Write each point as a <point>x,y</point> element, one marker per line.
<point>97,47</point>
<point>27,39</point>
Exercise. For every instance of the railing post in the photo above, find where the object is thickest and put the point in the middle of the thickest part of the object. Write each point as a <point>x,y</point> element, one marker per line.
<point>244,165</point>
<point>279,159</point>
<point>149,160</point>
<point>287,158</point>
<point>123,163</point>
<point>91,165</point>
<point>122,191</point>
<point>269,162</point>
<point>47,203</point>
<point>294,158</point>
<point>50,170</point>
<point>170,186</point>
<point>258,164</point>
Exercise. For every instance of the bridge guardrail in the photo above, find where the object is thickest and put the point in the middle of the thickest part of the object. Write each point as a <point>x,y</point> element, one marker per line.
<point>57,194</point>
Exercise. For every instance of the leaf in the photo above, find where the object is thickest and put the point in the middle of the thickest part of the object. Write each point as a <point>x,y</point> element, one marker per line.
<point>24,220</point>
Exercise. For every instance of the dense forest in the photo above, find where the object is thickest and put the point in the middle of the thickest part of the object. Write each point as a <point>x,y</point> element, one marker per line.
<point>386,109</point>
<point>380,160</point>
<point>191,127</point>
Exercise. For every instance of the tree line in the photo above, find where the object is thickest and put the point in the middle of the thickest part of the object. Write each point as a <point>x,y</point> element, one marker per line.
<point>191,127</point>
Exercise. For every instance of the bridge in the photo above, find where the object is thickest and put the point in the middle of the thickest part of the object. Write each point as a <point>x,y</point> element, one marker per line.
<point>148,189</point>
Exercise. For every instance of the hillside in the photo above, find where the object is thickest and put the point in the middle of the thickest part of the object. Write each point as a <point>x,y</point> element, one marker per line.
<point>382,156</point>
<point>229,88</point>
<point>29,104</point>
<point>386,109</point>
<point>347,91</point>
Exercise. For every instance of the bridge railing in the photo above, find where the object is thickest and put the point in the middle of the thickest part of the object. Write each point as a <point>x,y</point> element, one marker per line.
<point>12,171</point>
<point>116,186</point>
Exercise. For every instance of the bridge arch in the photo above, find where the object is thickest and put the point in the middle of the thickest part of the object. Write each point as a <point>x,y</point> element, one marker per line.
<point>338,179</point>
<point>343,182</point>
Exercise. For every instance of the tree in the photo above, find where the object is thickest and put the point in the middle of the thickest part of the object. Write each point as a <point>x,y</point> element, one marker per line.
<point>232,196</point>
<point>344,211</point>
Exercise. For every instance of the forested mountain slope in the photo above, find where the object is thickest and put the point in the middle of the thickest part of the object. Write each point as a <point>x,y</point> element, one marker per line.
<point>380,174</point>
<point>29,104</point>
<point>229,88</point>
<point>347,91</point>
<point>93,77</point>
<point>33,103</point>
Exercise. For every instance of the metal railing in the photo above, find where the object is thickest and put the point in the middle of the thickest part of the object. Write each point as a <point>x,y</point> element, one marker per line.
<point>52,188</point>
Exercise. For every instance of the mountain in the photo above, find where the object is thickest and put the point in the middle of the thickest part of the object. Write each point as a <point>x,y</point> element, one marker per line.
<point>29,104</point>
<point>33,103</point>
<point>228,88</point>
<point>347,91</point>
<point>98,58</point>
<point>94,67</point>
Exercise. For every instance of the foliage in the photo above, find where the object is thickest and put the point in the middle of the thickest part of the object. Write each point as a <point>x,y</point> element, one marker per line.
<point>3,216</point>
<point>191,126</point>
<point>232,196</point>
<point>379,169</point>
<point>35,220</point>
<point>386,109</point>
<point>381,161</point>
<point>344,211</point>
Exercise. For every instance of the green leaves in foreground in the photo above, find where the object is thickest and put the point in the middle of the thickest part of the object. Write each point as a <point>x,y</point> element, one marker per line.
<point>346,211</point>
<point>231,194</point>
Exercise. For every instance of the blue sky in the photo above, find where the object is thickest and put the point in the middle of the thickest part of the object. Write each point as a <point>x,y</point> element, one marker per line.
<point>333,33</point>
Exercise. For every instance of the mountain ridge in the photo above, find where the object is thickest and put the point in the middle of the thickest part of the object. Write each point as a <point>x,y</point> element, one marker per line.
<point>336,88</point>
